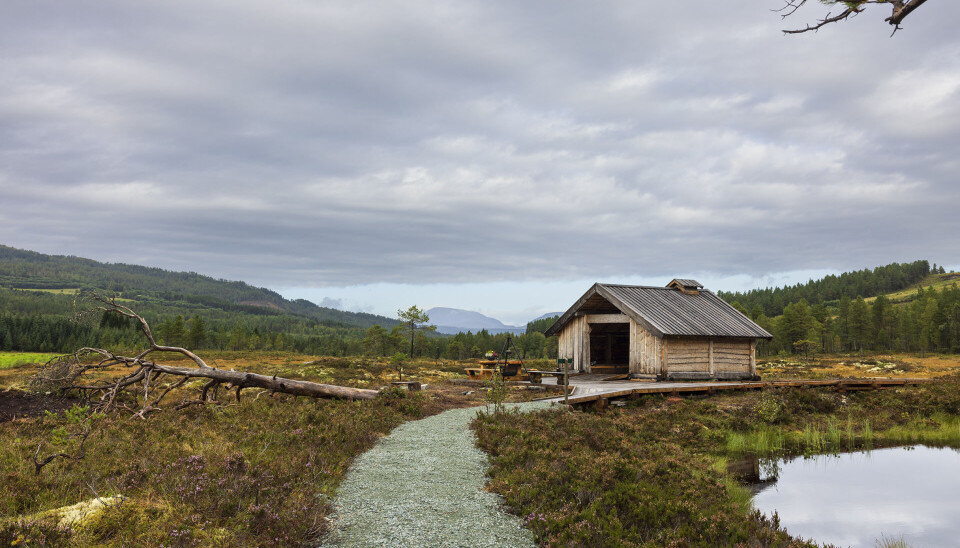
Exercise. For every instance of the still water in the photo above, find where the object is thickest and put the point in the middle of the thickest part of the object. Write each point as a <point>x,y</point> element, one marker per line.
<point>853,499</point>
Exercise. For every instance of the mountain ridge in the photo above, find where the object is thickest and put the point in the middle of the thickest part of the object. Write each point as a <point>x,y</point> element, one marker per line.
<point>33,271</point>
<point>451,321</point>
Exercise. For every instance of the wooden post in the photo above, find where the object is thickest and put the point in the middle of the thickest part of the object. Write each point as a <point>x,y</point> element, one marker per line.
<point>753,358</point>
<point>566,382</point>
<point>711,357</point>
<point>586,347</point>
<point>663,358</point>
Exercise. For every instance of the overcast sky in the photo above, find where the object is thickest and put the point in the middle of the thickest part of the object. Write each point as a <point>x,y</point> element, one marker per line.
<point>493,155</point>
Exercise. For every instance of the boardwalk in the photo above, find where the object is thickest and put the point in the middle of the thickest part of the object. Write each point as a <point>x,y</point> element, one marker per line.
<point>593,389</point>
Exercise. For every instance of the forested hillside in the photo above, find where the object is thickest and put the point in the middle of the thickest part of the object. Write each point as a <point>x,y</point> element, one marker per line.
<point>899,307</point>
<point>829,289</point>
<point>37,294</point>
<point>20,269</point>
<point>37,308</point>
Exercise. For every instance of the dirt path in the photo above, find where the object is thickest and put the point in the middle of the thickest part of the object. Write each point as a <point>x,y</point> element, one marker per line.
<point>423,486</point>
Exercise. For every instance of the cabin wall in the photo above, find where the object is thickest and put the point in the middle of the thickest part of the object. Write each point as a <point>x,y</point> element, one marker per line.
<point>574,343</point>
<point>665,357</point>
<point>702,357</point>
<point>687,355</point>
<point>732,355</point>
<point>644,351</point>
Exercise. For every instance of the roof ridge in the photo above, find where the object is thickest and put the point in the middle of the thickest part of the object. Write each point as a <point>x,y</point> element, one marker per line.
<point>637,286</point>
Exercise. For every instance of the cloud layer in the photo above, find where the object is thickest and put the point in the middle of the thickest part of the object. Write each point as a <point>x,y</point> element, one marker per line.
<point>297,143</point>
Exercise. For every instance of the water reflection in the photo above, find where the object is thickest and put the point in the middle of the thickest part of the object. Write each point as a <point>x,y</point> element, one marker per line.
<point>851,499</point>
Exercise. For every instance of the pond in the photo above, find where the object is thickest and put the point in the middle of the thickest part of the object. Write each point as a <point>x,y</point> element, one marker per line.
<point>856,499</point>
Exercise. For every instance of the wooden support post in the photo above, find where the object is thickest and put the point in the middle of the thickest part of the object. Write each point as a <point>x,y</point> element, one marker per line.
<point>586,347</point>
<point>663,358</point>
<point>711,357</point>
<point>753,358</point>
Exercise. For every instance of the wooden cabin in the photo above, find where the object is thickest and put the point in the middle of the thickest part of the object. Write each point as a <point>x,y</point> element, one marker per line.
<point>681,331</point>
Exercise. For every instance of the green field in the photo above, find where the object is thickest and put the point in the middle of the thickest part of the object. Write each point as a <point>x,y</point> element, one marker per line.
<point>936,281</point>
<point>15,359</point>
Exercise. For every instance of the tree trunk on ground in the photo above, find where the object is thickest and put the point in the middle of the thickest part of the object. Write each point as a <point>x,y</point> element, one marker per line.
<point>241,379</point>
<point>65,372</point>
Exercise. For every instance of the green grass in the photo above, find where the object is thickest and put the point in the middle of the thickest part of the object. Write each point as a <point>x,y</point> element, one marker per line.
<point>16,359</point>
<point>936,281</point>
<point>67,291</point>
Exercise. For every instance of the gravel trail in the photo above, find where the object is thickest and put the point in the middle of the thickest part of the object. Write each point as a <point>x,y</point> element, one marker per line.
<point>422,486</point>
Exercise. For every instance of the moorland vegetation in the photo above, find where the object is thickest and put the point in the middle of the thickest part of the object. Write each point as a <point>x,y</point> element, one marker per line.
<point>654,473</point>
<point>261,471</point>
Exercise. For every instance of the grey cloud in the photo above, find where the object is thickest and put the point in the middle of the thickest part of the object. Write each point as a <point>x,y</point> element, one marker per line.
<point>336,143</point>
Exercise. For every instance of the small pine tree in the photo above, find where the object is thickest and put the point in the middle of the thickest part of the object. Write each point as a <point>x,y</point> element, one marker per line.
<point>397,361</point>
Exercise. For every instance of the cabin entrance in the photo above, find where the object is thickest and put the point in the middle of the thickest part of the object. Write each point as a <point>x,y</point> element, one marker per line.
<point>609,347</point>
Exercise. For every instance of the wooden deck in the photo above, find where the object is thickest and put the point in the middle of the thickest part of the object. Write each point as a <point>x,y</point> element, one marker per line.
<point>593,389</point>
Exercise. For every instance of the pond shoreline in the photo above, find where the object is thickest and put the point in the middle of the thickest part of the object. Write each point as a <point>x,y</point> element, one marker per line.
<point>858,498</point>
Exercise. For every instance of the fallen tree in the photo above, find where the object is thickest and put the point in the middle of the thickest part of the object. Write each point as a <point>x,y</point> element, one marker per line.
<point>69,373</point>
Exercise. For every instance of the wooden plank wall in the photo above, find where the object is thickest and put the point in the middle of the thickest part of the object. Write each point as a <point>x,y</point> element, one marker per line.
<point>688,355</point>
<point>732,355</point>
<point>574,342</point>
<point>704,355</point>
<point>644,350</point>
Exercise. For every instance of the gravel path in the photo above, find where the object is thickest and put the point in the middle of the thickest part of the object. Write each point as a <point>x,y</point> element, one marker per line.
<point>422,486</point>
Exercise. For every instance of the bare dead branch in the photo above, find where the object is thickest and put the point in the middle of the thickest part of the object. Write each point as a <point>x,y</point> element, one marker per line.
<point>900,10</point>
<point>851,10</point>
<point>111,305</point>
<point>65,372</point>
<point>170,388</point>
<point>790,8</point>
<point>38,463</point>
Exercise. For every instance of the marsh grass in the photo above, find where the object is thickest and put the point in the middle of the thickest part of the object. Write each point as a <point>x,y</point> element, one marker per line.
<point>261,472</point>
<point>258,473</point>
<point>940,430</point>
<point>654,472</point>
<point>770,441</point>
<point>623,479</point>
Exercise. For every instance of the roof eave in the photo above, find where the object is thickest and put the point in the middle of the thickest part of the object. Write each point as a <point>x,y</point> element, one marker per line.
<point>565,318</point>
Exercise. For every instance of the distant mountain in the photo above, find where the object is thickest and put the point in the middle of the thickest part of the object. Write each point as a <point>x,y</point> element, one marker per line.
<point>454,320</point>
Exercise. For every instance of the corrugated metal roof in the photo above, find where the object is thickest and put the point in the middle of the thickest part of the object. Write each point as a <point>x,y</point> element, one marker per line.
<point>669,311</point>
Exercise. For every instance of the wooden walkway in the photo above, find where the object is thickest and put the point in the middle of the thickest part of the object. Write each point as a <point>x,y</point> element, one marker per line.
<point>593,389</point>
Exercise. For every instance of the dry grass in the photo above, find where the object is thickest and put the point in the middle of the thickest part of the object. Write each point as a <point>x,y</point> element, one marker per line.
<point>867,365</point>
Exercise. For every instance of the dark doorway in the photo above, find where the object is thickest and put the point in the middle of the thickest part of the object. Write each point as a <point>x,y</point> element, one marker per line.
<point>610,347</point>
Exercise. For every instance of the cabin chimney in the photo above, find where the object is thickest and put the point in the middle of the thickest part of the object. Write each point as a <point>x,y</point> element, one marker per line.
<point>687,287</point>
